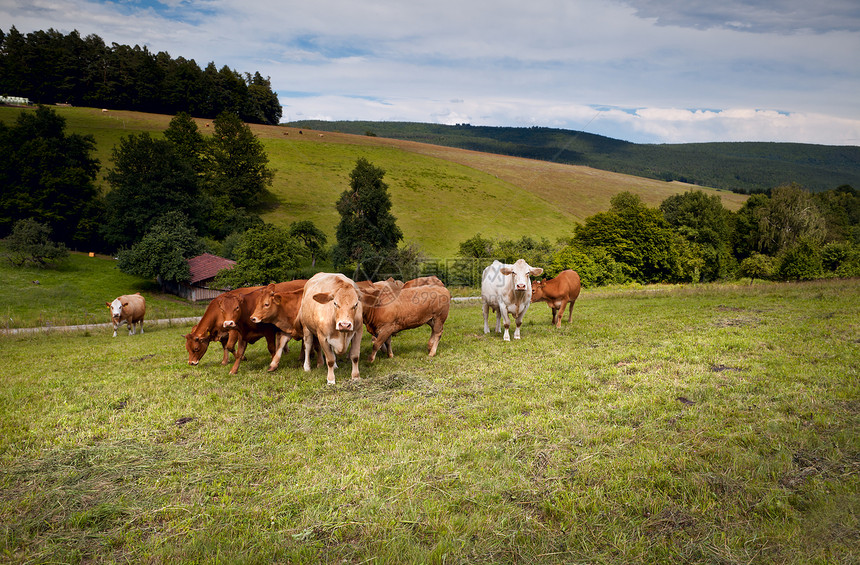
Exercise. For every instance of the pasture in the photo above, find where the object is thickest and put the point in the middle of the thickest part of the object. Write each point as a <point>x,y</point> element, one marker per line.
<point>698,424</point>
<point>75,291</point>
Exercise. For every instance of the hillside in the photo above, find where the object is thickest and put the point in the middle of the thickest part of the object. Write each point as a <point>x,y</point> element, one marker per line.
<point>441,196</point>
<point>740,167</point>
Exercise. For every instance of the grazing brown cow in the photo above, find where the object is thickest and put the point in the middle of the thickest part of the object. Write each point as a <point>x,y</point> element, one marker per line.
<point>280,309</point>
<point>331,312</point>
<point>386,313</point>
<point>431,280</point>
<point>211,328</point>
<point>127,309</point>
<point>558,292</point>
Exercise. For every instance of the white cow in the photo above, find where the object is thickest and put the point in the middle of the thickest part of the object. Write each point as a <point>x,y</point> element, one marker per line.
<point>507,289</point>
<point>127,309</point>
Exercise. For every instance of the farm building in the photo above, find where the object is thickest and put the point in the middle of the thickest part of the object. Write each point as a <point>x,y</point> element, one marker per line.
<point>203,270</point>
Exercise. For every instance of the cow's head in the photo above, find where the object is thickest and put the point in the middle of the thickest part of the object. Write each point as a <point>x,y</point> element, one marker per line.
<point>520,272</point>
<point>196,347</point>
<point>267,307</point>
<point>346,300</point>
<point>537,291</point>
<point>231,308</point>
<point>116,308</point>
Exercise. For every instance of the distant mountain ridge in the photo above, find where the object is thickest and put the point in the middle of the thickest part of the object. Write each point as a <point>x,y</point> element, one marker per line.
<point>743,167</point>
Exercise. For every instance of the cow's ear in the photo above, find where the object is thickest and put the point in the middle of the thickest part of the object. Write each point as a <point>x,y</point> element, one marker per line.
<point>369,298</point>
<point>323,297</point>
<point>276,298</point>
<point>107,304</point>
<point>506,271</point>
<point>536,271</point>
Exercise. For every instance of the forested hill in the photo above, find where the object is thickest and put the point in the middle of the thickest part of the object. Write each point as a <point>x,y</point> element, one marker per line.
<point>49,67</point>
<point>740,167</point>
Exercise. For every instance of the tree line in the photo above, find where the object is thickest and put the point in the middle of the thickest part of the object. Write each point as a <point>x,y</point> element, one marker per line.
<point>786,234</point>
<point>49,67</point>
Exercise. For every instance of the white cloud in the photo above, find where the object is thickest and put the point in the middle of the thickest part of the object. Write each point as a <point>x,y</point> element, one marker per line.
<point>505,62</point>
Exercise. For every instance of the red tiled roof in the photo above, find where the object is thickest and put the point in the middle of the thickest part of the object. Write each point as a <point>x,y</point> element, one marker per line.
<point>206,266</point>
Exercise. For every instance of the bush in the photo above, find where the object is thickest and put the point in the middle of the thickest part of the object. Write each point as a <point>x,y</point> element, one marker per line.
<point>800,262</point>
<point>594,266</point>
<point>265,254</point>
<point>757,266</point>
<point>30,242</point>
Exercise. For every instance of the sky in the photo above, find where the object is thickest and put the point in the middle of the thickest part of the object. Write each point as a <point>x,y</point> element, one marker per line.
<point>646,71</point>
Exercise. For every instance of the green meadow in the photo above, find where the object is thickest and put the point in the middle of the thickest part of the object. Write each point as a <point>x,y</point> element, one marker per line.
<point>670,424</point>
<point>440,196</point>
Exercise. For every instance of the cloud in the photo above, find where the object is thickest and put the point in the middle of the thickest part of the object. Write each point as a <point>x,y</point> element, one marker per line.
<point>757,16</point>
<point>505,62</point>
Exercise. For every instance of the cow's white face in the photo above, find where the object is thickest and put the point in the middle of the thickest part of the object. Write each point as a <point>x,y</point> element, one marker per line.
<point>116,308</point>
<point>346,304</point>
<point>520,271</point>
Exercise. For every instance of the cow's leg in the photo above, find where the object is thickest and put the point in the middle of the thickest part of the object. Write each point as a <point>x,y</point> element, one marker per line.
<point>485,308</point>
<point>503,314</point>
<point>232,339</point>
<point>380,341</point>
<point>555,315</point>
<point>436,326</point>
<point>355,352</point>
<point>561,313</point>
<point>115,326</point>
<point>330,360</point>
<point>240,354</point>
<point>519,321</point>
<point>308,342</point>
<point>141,327</point>
<point>226,357</point>
<point>283,338</point>
<point>570,312</point>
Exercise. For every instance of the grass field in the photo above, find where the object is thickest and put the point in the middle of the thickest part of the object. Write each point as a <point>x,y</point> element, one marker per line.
<point>440,196</point>
<point>689,424</point>
<point>75,292</point>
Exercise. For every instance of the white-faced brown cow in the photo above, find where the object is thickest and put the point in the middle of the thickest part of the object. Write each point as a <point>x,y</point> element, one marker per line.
<point>507,290</point>
<point>558,293</point>
<point>127,309</point>
<point>331,312</point>
<point>388,312</point>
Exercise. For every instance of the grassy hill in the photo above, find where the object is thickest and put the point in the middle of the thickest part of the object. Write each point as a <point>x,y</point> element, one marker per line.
<point>741,167</point>
<point>441,195</point>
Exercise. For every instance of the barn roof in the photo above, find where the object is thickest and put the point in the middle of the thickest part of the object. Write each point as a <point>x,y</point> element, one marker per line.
<point>206,266</point>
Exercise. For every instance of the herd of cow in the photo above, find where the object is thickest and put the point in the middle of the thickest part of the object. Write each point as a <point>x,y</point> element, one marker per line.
<point>329,311</point>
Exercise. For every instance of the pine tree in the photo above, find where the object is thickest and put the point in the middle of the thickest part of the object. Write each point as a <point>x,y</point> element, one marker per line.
<point>367,236</point>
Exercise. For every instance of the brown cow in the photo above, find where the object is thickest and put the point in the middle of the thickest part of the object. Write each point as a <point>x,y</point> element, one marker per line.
<point>127,309</point>
<point>557,293</point>
<point>431,280</point>
<point>236,311</point>
<point>331,312</point>
<point>386,314</point>
<point>280,309</point>
<point>211,328</point>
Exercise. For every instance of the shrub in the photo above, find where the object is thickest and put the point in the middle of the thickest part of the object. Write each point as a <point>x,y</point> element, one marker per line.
<point>800,262</point>
<point>757,266</point>
<point>594,266</point>
<point>30,242</point>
